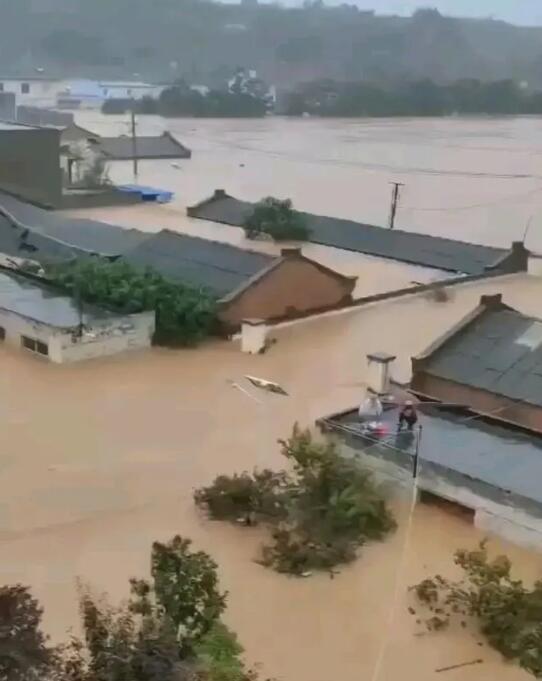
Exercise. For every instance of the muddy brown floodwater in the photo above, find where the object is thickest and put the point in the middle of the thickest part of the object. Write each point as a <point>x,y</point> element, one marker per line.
<point>99,460</point>
<point>478,179</point>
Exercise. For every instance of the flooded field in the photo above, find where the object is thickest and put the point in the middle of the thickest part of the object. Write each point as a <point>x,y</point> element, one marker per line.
<point>477,179</point>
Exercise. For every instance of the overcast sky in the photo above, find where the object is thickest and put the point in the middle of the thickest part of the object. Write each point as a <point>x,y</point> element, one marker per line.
<point>516,11</point>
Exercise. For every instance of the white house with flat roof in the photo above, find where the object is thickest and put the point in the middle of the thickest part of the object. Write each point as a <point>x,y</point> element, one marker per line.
<point>44,322</point>
<point>33,90</point>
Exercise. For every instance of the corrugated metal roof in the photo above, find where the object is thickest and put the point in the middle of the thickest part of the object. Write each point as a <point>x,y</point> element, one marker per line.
<point>220,267</point>
<point>418,249</point>
<point>491,353</point>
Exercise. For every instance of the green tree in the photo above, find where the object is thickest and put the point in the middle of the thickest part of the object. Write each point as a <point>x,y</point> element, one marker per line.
<point>278,219</point>
<point>185,585</point>
<point>508,613</point>
<point>184,315</point>
<point>24,654</point>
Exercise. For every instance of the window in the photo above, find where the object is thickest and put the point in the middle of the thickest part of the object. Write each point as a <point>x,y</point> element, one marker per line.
<point>129,92</point>
<point>42,348</point>
<point>1,87</point>
<point>25,88</point>
<point>34,345</point>
<point>2,333</point>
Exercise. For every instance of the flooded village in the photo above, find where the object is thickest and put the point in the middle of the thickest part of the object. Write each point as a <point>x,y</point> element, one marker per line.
<point>101,457</point>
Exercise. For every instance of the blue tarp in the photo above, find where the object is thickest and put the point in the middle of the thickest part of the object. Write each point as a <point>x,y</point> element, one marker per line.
<point>147,193</point>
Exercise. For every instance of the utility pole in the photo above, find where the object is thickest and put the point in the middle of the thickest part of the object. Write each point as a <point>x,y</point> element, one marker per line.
<point>134,142</point>
<point>394,202</point>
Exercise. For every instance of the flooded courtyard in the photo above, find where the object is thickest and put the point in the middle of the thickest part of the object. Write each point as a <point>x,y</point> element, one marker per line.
<point>99,460</point>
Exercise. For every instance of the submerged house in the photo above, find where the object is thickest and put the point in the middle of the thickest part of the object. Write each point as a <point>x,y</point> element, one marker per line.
<point>247,284</point>
<point>122,148</point>
<point>446,255</point>
<point>491,362</point>
<point>40,320</point>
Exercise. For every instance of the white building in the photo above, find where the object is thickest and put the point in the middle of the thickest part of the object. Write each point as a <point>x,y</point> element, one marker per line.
<point>34,90</point>
<point>43,322</point>
<point>91,94</point>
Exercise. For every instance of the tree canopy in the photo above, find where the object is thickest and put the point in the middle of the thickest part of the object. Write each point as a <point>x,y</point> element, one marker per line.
<point>415,98</point>
<point>184,315</point>
<point>506,611</point>
<point>318,514</point>
<point>278,220</point>
<point>169,630</point>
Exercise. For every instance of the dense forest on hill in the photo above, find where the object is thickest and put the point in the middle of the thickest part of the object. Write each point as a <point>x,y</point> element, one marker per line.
<point>203,42</point>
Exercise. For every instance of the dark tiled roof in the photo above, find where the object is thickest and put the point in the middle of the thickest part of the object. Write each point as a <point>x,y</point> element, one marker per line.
<point>220,267</point>
<point>80,234</point>
<point>410,247</point>
<point>121,148</point>
<point>498,350</point>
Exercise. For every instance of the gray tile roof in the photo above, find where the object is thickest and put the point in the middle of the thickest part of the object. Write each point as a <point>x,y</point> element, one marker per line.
<point>121,148</point>
<point>76,234</point>
<point>410,247</point>
<point>499,351</point>
<point>220,267</point>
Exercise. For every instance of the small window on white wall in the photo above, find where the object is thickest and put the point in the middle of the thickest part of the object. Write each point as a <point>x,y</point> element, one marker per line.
<point>25,88</point>
<point>34,345</point>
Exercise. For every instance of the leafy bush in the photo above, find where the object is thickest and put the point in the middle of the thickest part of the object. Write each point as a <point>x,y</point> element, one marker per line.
<point>245,496</point>
<point>507,613</point>
<point>219,654</point>
<point>319,514</point>
<point>278,219</point>
<point>184,315</point>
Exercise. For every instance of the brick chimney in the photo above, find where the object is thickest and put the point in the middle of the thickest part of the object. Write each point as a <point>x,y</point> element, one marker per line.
<point>253,336</point>
<point>494,300</point>
<point>290,252</point>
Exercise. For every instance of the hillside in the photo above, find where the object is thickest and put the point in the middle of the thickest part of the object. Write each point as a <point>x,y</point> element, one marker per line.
<point>204,42</point>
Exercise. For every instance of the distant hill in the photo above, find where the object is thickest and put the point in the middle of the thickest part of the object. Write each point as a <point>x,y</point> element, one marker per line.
<point>203,42</point>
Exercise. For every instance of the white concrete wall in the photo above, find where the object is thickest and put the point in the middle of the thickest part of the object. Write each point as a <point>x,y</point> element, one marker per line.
<point>535,265</point>
<point>42,92</point>
<point>131,332</point>
<point>123,333</point>
<point>16,327</point>
<point>508,522</point>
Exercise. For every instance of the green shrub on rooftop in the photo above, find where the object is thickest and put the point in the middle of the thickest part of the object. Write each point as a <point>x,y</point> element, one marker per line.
<point>185,315</point>
<point>278,219</point>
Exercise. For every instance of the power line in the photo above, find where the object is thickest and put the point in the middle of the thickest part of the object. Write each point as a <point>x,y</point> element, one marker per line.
<point>497,202</point>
